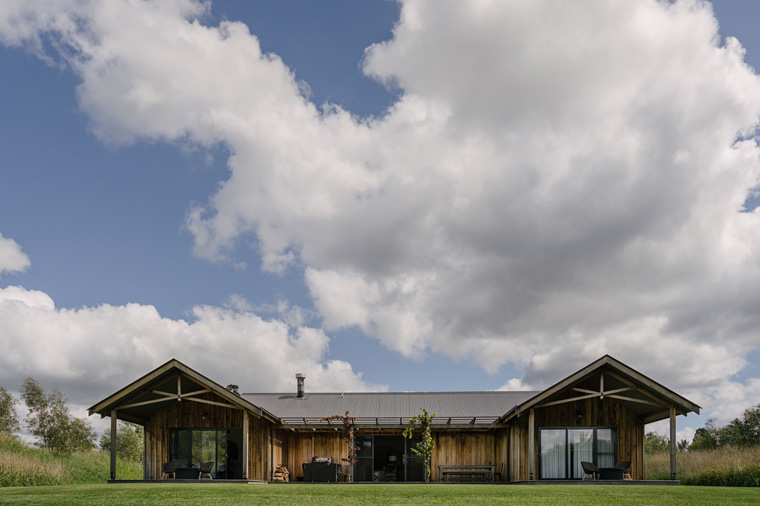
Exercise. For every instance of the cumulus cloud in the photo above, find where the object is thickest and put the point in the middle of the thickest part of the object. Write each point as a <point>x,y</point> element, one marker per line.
<point>89,352</point>
<point>12,258</point>
<point>555,180</point>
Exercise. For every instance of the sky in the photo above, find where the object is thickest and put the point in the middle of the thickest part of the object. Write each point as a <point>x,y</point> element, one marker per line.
<point>423,195</point>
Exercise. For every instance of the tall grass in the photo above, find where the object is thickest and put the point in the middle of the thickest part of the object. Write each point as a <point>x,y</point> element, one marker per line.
<point>24,466</point>
<point>724,466</point>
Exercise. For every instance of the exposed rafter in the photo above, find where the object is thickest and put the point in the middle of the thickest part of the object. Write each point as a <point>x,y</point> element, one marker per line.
<point>601,393</point>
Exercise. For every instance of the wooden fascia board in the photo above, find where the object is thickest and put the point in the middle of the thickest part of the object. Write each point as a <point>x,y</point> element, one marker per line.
<point>105,406</point>
<point>556,388</point>
<point>683,404</point>
<point>665,393</point>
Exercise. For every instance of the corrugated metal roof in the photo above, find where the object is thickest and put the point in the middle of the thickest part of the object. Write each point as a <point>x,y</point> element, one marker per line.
<point>384,409</point>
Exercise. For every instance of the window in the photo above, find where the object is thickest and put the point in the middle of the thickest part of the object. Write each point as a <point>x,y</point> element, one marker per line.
<point>195,446</point>
<point>562,450</point>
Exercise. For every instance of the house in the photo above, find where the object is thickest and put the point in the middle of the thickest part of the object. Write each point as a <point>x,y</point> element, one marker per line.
<point>596,414</point>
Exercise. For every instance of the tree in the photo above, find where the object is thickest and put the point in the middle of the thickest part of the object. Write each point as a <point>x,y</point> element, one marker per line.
<point>705,438</point>
<point>8,416</point>
<point>654,443</point>
<point>349,435</point>
<point>744,432</point>
<point>129,441</point>
<point>424,448</point>
<point>50,420</point>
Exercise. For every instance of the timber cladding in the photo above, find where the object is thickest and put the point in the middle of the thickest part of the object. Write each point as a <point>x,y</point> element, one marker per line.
<point>293,448</point>
<point>180,415</point>
<point>582,413</point>
<point>298,448</point>
<point>468,448</point>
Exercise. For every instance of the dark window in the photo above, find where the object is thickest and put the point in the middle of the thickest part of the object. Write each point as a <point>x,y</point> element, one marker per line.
<point>191,447</point>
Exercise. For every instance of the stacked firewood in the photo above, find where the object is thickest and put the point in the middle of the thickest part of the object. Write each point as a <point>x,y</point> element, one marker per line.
<point>282,474</point>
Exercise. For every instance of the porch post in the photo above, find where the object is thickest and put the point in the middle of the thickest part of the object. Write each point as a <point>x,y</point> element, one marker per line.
<point>245,444</point>
<point>113,444</point>
<point>531,442</point>
<point>672,442</point>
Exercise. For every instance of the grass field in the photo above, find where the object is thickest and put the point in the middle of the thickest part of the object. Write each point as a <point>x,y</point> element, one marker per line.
<point>302,494</point>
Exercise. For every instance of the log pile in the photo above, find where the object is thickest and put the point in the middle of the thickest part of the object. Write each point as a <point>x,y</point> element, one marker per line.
<point>281,474</point>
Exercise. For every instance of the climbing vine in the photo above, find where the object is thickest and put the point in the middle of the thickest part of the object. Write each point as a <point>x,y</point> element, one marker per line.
<point>424,448</point>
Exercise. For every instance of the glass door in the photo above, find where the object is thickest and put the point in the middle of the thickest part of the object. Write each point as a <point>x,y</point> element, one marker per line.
<point>364,467</point>
<point>563,449</point>
<point>553,454</point>
<point>414,466</point>
<point>580,445</point>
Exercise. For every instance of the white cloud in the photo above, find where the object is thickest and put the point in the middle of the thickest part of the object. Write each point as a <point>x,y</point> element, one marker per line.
<point>89,352</point>
<point>12,258</point>
<point>515,385</point>
<point>556,180</point>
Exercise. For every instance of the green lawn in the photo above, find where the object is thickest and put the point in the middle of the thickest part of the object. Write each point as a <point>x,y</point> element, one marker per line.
<point>302,494</point>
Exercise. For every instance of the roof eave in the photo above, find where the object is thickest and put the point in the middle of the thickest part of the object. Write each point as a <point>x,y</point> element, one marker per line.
<point>106,406</point>
<point>683,405</point>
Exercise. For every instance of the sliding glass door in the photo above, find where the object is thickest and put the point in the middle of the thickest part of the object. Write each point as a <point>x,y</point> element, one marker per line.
<point>191,447</point>
<point>563,450</point>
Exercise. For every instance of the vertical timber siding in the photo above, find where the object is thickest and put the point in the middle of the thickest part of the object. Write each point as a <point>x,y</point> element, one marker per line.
<point>300,447</point>
<point>583,413</point>
<point>194,415</point>
<point>467,448</point>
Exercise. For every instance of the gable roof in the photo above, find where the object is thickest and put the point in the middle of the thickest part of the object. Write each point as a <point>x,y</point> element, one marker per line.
<point>608,377</point>
<point>171,381</point>
<point>387,409</point>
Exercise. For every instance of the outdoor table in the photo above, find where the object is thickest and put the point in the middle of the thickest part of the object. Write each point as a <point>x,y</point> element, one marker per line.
<point>610,473</point>
<point>187,473</point>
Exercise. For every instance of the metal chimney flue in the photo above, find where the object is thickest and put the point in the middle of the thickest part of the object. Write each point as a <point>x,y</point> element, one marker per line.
<point>300,378</point>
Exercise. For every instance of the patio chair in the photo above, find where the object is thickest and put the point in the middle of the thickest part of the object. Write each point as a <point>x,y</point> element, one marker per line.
<point>589,469</point>
<point>625,465</point>
<point>168,470</point>
<point>206,468</point>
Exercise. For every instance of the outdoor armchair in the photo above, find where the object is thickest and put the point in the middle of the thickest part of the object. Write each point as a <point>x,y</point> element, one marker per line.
<point>589,469</point>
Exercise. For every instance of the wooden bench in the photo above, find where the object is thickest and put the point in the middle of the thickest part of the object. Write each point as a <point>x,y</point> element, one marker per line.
<point>445,471</point>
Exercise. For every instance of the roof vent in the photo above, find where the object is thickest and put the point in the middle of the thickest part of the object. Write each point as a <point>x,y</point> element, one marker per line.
<point>300,378</point>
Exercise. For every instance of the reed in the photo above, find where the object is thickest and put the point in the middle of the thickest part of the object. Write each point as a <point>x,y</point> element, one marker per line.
<point>24,466</point>
<point>723,466</point>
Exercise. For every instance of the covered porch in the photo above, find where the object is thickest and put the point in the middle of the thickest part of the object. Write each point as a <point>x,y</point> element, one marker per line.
<point>194,428</point>
<point>595,416</point>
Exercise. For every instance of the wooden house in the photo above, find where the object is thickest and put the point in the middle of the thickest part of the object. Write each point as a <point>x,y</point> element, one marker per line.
<point>596,414</point>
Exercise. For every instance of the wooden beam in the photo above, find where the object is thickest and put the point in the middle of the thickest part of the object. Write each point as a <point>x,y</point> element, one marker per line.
<point>197,392</point>
<point>608,392</point>
<point>571,399</point>
<point>245,444</point>
<point>215,403</point>
<point>113,444</point>
<point>531,442</point>
<point>145,403</point>
<point>633,399</point>
<point>672,442</point>
<point>165,394</point>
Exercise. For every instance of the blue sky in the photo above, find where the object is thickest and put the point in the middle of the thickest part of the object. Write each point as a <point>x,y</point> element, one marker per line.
<point>479,200</point>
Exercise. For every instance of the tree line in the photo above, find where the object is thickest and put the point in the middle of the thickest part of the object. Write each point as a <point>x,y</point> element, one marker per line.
<point>741,432</point>
<point>50,420</point>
